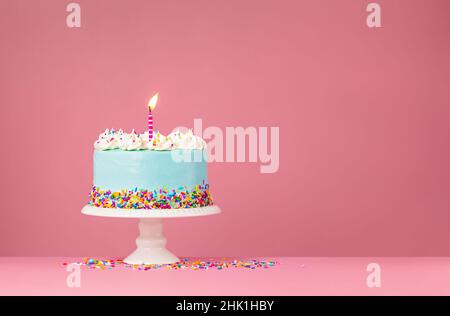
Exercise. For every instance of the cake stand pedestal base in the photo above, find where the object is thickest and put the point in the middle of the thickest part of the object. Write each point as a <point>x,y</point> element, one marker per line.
<point>151,244</point>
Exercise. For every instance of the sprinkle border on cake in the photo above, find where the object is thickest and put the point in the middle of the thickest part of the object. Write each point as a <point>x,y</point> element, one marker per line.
<point>183,197</point>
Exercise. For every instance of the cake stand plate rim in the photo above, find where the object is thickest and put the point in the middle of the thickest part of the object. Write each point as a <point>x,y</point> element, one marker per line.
<point>146,213</point>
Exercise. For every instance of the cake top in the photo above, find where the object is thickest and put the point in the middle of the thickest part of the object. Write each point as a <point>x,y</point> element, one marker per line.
<point>111,139</point>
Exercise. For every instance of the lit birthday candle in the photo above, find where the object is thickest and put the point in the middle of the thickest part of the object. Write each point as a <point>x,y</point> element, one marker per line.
<point>151,107</point>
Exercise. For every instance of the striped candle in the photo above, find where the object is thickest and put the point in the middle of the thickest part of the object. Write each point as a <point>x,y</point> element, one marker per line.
<point>150,125</point>
<point>151,107</point>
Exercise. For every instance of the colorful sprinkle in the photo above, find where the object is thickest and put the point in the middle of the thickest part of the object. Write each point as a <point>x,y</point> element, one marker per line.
<point>183,197</point>
<point>184,263</point>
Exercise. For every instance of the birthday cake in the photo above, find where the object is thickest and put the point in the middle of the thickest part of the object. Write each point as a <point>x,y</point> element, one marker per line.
<point>135,171</point>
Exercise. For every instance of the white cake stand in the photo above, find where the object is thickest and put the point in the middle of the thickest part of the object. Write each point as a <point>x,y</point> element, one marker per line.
<point>151,243</point>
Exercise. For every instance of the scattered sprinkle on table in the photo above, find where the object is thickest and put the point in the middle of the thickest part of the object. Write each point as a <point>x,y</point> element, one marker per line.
<point>184,263</point>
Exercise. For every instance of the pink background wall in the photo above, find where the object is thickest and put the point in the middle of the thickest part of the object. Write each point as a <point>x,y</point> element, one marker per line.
<point>363,116</point>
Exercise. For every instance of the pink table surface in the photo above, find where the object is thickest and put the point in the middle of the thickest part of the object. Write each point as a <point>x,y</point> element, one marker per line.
<point>293,276</point>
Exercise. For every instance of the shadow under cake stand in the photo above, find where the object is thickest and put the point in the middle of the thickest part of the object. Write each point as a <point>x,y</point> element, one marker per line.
<point>151,243</point>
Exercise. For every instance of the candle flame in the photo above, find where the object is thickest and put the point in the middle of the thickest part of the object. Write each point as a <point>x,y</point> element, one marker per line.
<point>152,102</point>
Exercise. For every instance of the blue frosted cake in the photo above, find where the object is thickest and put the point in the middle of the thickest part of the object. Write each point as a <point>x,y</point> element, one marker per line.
<point>168,172</point>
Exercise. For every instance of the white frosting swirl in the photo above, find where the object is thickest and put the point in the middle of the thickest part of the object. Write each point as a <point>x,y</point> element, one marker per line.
<point>186,140</point>
<point>161,142</point>
<point>111,139</point>
<point>131,141</point>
